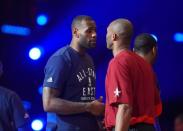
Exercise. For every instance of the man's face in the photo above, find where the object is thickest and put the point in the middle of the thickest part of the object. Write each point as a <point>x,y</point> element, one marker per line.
<point>178,125</point>
<point>109,38</point>
<point>87,34</point>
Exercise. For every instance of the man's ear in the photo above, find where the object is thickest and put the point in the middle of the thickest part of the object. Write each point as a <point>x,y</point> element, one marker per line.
<point>154,50</point>
<point>114,37</point>
<point>76,32</point>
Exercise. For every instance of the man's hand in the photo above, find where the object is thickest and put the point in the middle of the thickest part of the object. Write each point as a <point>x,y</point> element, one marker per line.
<point>96,107</point>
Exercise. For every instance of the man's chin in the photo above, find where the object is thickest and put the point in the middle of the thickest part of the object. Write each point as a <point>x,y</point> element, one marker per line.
<point>92,45</point>
<point>109,47</point>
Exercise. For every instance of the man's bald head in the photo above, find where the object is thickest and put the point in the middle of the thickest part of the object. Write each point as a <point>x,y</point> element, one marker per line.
<point>122,28</point>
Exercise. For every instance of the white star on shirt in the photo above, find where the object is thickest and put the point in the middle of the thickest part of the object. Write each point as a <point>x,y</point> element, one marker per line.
<point>117,92</point>
<point>50,80</point>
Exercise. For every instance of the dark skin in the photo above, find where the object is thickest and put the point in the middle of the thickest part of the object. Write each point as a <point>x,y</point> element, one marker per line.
<point>84,37</point>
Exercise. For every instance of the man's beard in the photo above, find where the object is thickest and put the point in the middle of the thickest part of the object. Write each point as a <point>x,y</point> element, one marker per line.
<point>84,43</point>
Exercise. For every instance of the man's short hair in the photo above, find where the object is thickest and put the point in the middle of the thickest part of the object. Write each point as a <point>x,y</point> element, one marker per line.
<point>144,43</point>
<point>77,21</point>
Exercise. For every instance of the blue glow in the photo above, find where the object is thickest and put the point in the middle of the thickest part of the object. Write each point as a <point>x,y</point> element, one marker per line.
<point>37,125</point>
<point>178,37</point>
<point>155,37</point>
<point>35,53</point>
<point>51,117</point>
<point>27,105</point>
<point>15,30</point>
<point>40,90</point>
<point>42,20</point>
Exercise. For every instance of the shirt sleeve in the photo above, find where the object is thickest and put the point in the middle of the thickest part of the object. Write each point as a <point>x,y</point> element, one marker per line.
<point>56,72</point>
<point>20,117</point>
<point>121,84</point>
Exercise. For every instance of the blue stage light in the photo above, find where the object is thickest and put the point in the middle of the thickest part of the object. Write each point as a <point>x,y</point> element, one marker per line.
<point>27,105</point>
<point>35,53</point>
<point>42,20</point>
<point>40,90</point>
<point>178,37</point>
<point>15,30</point>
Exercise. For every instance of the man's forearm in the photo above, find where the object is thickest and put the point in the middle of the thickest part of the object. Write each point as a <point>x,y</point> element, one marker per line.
<point>123,117</point>
<point>65,107</point>
<point>52,103</point>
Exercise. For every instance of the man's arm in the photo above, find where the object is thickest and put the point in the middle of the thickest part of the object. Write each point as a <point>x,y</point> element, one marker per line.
<point>123,117</point>
<point>52,103</point>
<point>20,117</point>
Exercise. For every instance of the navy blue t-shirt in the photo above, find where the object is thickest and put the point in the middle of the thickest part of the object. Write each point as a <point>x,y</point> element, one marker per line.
<point>74,76</point>
<point>12,113</point>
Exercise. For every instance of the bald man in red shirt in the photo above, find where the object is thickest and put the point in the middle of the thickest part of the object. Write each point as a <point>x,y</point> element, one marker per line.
<point>130,84</point>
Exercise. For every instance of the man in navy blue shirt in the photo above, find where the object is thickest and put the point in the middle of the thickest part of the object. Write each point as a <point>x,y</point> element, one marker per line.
<point>70,81</point>
<point>12,114</point>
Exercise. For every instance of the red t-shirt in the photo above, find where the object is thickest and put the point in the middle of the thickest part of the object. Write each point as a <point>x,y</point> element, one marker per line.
<point>131,80</point>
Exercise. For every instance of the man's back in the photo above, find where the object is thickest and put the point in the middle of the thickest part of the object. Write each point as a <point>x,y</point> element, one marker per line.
<point>12,113</point>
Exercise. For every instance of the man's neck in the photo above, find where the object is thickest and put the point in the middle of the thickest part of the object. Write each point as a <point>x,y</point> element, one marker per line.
<point>117,50</point>
<point>75,45</point>
<point>145,57</point>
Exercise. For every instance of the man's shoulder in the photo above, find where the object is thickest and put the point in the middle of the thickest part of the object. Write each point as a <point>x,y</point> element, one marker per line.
<point>61,52</point>
<point>61,55</point>
<point>128,57</point>
<point>6,91</point>
<point>6,94</point>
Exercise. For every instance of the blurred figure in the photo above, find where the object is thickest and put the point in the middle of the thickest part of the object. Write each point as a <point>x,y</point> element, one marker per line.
<point>146,47</point>
<point>179,123</point>
<point>13,116</point>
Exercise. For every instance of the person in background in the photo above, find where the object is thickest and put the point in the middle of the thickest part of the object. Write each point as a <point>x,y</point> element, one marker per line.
<point>13,116</point>
<point>146,46</point>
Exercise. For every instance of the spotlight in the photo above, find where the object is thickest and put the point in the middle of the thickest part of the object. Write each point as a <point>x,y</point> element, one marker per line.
<point>37,125</point>
<point>42,20</point>
<point>178,37</point>
<point>35,53</point>
<point>15,30</point>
